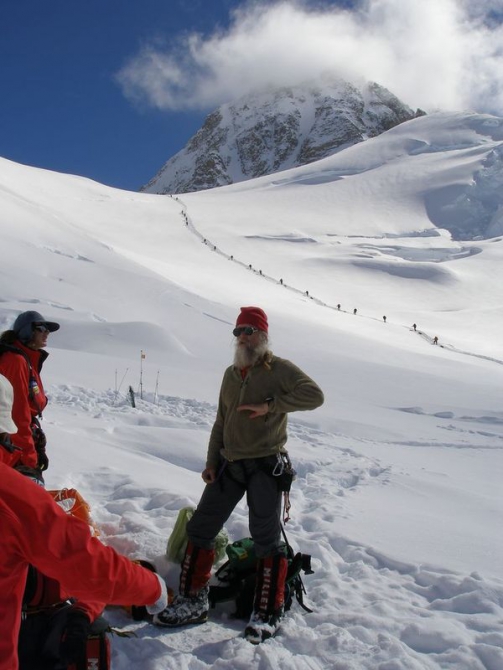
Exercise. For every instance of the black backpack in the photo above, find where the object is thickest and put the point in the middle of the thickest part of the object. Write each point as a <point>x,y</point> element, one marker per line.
<point>236,577</point>
<point>43,623</point>
<point>40,638</point>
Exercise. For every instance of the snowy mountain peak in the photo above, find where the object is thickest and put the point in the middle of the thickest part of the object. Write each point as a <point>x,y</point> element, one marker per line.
<point>278,129</point>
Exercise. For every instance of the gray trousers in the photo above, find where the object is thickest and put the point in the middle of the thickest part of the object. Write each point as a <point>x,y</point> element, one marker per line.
<point>220,498</point>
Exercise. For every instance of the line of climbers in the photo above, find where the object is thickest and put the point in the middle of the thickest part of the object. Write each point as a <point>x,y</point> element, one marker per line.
<point>245,456</point>
<point>280,281</point>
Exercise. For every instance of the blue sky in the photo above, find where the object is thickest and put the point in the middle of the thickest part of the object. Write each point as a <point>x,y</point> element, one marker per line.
<point>111,89</point>
<point>61,107</point>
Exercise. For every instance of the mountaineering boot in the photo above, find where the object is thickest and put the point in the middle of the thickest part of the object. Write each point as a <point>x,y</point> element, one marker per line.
<point>262,627</point>
<point>185,609</point>
<point>191,604</point>
<point>268,605</point>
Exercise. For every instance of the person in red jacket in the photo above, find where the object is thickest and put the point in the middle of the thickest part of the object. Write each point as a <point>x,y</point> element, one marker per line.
<point>42,593</point>
<point>21,360</point>
<point>36,531</point>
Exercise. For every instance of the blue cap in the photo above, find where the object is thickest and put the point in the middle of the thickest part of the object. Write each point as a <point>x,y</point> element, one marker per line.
<point>23,325</point>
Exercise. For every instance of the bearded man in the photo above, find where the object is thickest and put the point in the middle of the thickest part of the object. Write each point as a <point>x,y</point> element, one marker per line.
<point>245,455</point>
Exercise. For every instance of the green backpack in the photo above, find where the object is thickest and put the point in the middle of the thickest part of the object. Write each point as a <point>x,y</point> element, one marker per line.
<point>236,577</point>
<point>177,541</point>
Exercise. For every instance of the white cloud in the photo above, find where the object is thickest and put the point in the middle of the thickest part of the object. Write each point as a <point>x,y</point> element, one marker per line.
<point>435,54</point>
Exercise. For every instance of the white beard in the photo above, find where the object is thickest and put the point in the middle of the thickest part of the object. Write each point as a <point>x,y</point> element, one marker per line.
<point>246,356</point>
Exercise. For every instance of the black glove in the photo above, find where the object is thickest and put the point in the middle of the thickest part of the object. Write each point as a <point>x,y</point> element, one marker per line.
<point>39,438</point>
<point>42,460</point>
<point>73,647</point>
<point>40,442</point>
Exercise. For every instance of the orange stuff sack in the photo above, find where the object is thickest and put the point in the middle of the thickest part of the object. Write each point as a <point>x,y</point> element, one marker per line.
<point>73,503</point>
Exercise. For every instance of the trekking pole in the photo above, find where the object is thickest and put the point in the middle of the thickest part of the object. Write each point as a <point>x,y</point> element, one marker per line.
<point>156,388</point>
<point>123,378</point>
<point>142,356</point>
<point>117,390</point>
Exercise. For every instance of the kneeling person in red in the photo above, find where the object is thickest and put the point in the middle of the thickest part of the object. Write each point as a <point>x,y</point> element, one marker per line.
<point>36,531</point>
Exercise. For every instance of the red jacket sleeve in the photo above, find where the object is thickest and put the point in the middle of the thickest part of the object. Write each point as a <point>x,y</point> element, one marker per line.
<point>61,547</point>
<point>15,368</point>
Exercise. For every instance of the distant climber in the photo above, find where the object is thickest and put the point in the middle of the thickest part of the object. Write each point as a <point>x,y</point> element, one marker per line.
<point>384,319</point>
<point>435,340</point>
<point>414,326</point>
<point>355,310</point>
<point>338,306</point>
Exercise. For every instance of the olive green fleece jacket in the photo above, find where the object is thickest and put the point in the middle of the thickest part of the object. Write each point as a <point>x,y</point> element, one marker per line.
<point>275,380</point>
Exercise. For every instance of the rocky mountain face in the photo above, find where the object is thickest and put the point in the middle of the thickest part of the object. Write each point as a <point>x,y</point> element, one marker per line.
<point>279,129</point>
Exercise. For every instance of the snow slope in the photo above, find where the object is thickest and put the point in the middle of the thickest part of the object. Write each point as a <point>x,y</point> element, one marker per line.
<point>398,496</point>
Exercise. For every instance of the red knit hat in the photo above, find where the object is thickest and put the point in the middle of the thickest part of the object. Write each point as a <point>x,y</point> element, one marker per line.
<point>253,316</point>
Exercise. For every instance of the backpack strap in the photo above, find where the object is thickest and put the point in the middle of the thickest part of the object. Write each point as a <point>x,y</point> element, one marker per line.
<point>30,589</point>
<point>7,444</point>
<point>298,562</point>
<point>41,593</point>
<point>294,580</point>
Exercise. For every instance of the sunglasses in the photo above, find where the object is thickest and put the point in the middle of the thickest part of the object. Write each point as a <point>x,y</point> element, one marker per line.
<point>41,329</point>
<point>247,330</point>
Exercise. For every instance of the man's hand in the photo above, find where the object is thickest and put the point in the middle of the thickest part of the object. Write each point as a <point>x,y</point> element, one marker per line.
<point>209,475</point>
<point>256,410</point>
